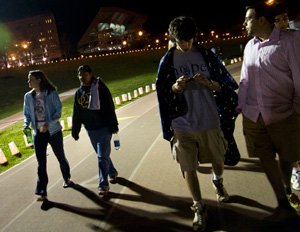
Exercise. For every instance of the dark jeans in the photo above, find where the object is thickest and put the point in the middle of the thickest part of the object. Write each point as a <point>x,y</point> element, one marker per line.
<point>100,140</point>
<point>41,141</point>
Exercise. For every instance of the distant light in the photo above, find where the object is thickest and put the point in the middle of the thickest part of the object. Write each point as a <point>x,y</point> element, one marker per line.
<point>124,43</point>
<point>270,2</point>
<point>157,41</point>
<point>140,33</point>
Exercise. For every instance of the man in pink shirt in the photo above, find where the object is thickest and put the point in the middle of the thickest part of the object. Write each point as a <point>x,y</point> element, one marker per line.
<point>282,23</point>
<point>269,99</point>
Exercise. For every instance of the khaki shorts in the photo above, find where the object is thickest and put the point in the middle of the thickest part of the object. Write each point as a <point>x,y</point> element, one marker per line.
<point>189,148</point>
<point>266,140</point>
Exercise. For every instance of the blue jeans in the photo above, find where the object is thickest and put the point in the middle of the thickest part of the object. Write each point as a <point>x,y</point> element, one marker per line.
<point>41,141</point>
<point>100,140</point>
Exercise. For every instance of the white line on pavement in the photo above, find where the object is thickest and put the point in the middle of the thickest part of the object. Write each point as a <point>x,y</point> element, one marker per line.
<point>104,222</point>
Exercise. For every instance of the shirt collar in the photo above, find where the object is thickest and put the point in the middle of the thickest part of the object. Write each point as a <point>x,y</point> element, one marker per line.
<point>274,36</point>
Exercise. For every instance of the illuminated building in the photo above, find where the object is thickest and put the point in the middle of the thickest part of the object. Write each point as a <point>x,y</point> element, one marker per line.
<point>112,29</point>
<point>36,38</point>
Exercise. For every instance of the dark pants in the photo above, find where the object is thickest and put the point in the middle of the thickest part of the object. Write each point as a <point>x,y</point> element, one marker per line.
<point>100,140</point>
<point>41,141</point>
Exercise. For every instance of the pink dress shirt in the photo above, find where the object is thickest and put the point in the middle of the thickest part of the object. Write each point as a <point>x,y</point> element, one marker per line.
<point>270,78</point>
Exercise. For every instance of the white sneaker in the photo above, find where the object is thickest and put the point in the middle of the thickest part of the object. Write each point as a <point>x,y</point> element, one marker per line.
<point>295,180</point>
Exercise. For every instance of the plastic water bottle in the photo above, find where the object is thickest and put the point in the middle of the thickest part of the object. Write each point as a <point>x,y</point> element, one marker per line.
<point>28,135</point>
<point>116,141</point>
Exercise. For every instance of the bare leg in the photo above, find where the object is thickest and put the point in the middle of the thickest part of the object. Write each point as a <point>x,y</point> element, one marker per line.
<point>193,184</point>
<point>218,169</point>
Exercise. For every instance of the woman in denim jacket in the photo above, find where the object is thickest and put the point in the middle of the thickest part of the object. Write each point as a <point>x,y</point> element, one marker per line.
<point>42,109</point>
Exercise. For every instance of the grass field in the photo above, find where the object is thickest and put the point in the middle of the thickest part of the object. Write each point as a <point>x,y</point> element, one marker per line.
<point>122,73</point>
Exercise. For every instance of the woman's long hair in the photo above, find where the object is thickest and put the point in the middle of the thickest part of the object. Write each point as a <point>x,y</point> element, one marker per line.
<point>45,84</point>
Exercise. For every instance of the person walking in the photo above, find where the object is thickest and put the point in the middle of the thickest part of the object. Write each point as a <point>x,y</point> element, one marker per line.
<point>42,110</point>
<point>94,108</point>
<point>282,23</point>
<point>269,100</point>
<point>188,77</point>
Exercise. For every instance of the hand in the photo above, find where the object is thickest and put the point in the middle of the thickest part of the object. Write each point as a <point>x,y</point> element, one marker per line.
<point>44,128</point>
<point>202,79</point>
<point>180,85</point>
<point>75,136</point>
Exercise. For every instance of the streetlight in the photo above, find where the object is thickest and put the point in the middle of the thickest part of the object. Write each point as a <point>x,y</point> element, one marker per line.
<point>270,2</point>
<point>25,45</point>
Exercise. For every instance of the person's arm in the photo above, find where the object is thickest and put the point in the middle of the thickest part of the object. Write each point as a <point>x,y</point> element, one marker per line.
<point>76,118</point>
<point>294,63</point>
<point>57,106</point>
<point>26,108</point>
<point>243,88</point>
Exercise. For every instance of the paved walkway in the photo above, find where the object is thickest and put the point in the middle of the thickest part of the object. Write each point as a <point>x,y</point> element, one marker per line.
<point>150,195</point>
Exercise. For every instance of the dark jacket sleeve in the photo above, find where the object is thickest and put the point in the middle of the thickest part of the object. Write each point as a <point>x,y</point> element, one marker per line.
<point>171,105</point>
<point>107,105</point>
<point>77,118</point>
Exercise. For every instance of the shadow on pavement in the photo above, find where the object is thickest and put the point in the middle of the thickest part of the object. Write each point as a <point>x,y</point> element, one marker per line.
<point>248,202</point>
<point>252,165</point>
<point>226,217</point>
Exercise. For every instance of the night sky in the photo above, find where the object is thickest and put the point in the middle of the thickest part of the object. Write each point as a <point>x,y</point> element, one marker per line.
<point>74,16</point>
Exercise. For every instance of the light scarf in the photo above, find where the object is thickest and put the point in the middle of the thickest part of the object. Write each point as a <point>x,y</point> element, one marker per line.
<point>94,100</point>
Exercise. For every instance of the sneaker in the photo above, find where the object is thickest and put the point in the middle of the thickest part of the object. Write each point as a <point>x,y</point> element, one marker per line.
<point>103,192</point>
<point>70,183</point>
<point>221,192</point>
<point>42,198</point>
<point>281,215</point>
<point>295,180</point>
<point>294,201</point>
<point>113,179</point>
<point>199,222</point>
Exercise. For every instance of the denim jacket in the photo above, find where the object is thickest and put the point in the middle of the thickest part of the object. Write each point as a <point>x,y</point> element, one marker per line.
<point>53,109</point>
<point>173,105</point>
